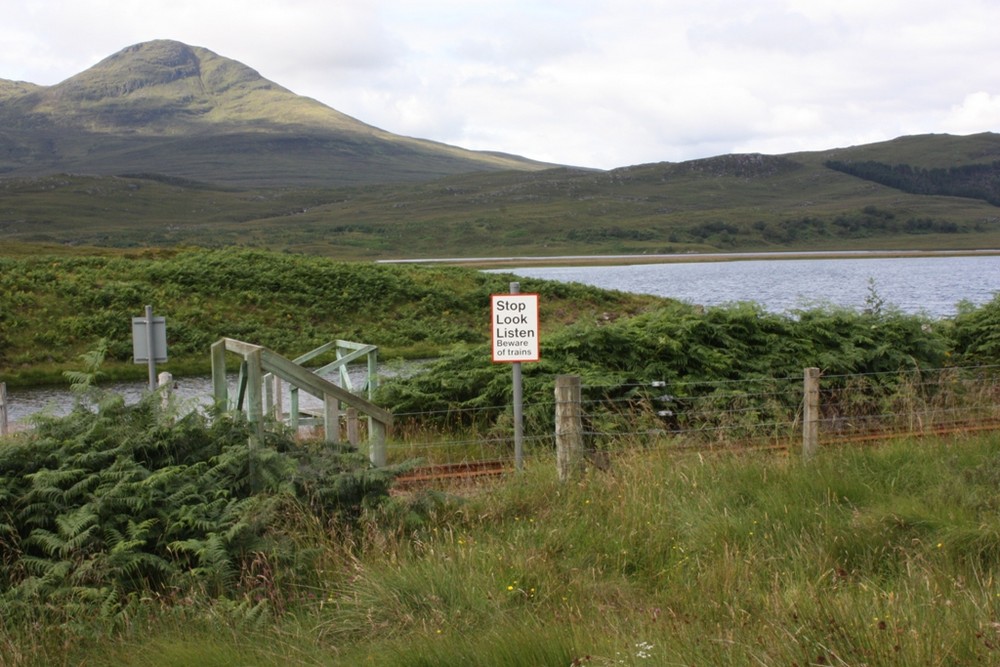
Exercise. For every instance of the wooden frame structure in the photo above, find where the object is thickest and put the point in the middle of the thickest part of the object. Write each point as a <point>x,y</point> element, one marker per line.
<point>262,370</point>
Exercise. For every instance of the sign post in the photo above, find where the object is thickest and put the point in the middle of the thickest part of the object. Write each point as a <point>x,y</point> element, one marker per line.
<point>149,342</point>
<point>515,340</point>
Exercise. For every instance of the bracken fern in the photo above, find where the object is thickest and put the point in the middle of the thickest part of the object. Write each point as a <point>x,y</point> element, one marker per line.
<point>116,502</point>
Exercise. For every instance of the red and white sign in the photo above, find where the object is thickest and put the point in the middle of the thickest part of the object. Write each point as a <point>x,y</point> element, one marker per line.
<point>515,328</point>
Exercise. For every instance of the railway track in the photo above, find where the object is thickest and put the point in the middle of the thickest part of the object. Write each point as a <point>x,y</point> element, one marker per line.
<point>957,428</point>
<point>471,470</point>
<point>448,472</point>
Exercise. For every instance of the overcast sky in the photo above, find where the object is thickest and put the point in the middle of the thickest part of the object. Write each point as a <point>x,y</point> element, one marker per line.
<point>596,83</point>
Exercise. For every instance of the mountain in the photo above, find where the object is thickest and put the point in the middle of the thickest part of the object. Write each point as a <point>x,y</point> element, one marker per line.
<point>920,192</point>
<point>165,107</point>
<point>165,144</point>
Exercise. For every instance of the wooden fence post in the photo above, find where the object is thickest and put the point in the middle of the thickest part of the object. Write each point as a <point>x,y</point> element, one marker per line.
<point>331,419</point>
<point>278,407</point>
<point>353,427</point>
<point>219,388</point>
<point>569,427</point>
<point>3,409</point>
<point>377,452</point>
<point>810,413</point>
<point>255,399</point>
<point>269,394</point>
<point>293,408</point>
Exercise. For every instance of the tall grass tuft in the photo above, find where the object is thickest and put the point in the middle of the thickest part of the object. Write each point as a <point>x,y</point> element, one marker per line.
<point>876,556</point>
<point>885,555</point>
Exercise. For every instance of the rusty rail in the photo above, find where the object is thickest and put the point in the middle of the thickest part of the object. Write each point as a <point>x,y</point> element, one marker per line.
<point>466,471</point>
<point>447,472</point>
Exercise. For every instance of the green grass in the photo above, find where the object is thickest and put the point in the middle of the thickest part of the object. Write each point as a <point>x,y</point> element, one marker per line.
<point>877,556</point>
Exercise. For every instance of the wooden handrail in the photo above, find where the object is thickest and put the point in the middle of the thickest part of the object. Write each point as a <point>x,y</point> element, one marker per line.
<point>264,360</point>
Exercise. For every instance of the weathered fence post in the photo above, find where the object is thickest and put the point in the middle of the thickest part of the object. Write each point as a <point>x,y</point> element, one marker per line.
<point>372,387</point>
<point>569,426</point>
<point>269,394</point>
<point>165,381</point>
<point>377,452</point>
<point>3,408</point>
<point>810,413</point>
<point>353,427</point>
<point>255,399</point>
<point>219,387</point>
<point>331,419</point>
<point>150,348</point>
<point>278,407</point>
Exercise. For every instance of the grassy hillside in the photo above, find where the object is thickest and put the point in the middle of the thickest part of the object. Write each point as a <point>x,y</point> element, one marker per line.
<point>727,203</point>
<point>55,308</point>
<point>927,151</point>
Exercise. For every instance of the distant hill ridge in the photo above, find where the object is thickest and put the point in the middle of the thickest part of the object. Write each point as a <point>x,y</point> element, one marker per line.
<point>165,144</point>
<point>167,107</point>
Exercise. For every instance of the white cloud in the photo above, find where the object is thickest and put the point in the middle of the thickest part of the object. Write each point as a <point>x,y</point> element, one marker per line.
<point>600,83</point>
<point>977,112</point>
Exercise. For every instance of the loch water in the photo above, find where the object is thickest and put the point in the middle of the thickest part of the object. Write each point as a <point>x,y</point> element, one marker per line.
<point>932,286</point>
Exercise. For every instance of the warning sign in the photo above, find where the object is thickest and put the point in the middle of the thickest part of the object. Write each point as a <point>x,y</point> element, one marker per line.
<point>515,327</point>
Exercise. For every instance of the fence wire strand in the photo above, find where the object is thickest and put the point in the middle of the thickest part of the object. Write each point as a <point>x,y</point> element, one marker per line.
<point>731,413</point>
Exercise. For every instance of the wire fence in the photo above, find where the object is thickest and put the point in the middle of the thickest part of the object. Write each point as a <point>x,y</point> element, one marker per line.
<point>917,402</point>
<point>763,412</point>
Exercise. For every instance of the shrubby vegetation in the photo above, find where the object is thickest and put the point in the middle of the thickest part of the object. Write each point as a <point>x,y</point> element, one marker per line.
<point>118,504</point>
<point>975,333</point>
<point>976,181</point>
<point>682,344</point>
<point>53,309</point>
<point>142,534</point>
<point>865,223</point>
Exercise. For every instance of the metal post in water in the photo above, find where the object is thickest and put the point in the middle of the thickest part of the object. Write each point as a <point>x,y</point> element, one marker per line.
<point>151,351</point>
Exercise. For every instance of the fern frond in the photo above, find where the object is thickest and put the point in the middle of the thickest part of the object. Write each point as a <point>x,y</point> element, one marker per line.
<point>35,514</point>
<point>139,532</point>
<point>80,520</point>
<point>58,479</point>
<point>36,566</point>
<point>48,542</point>
<point>79,541</point>
<point>189,546</point>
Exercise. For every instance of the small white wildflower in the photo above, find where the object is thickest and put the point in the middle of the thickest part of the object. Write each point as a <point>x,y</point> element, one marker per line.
<point>643,650</point>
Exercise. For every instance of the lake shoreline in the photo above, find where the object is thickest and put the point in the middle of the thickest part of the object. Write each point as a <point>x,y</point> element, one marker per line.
<point>625,259</point>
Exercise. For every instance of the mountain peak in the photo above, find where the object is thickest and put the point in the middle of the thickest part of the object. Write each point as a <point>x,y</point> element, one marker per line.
<point>153,87</point>
<point>166,107</point>
<point>136,67</point>
<point>164,62</point>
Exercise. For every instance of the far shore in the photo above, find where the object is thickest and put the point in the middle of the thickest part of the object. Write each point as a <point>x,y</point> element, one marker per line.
<point>612,260</point>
